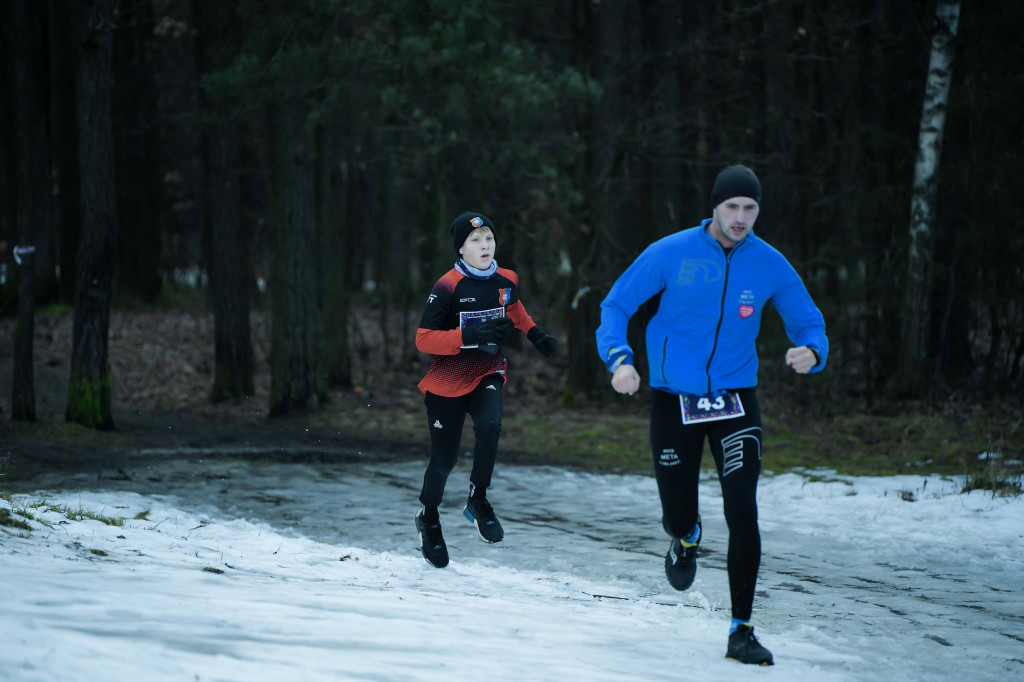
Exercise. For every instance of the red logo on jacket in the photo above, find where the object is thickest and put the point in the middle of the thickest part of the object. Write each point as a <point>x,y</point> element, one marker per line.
<point>504,295</point>
<point>746,311</point>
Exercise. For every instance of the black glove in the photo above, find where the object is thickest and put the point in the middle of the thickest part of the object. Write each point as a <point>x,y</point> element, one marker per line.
<point>545,343</point>
<point>493,331</point>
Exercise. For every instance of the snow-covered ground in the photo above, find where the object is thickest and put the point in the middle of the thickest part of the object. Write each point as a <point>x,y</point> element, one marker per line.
<point>240,571</point>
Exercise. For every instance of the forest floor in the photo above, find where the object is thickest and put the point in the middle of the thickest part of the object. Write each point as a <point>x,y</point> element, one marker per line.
<point>162,364</point>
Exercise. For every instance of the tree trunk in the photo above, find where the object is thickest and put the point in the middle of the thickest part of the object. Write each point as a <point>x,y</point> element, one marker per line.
<point>89,387</point>
<point>176,77</point>
<point>334,188</point>
<point>137,148</point>
<point>33,182</point>
<point>230,266</point>
<point>294,349</point>
<point>64,39</point>
<point>583,314</point>
<point>665,23</point>
<point>617,221</point>
<point>8,159</point>
<point>230,273</point>
<point>917,301</point>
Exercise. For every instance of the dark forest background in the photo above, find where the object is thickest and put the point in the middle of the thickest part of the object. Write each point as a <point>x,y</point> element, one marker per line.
<point>308,156</point>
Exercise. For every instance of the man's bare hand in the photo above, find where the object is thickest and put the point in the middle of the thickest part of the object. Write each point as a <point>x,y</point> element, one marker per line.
<point>801,359</point>
<point>626,380</point>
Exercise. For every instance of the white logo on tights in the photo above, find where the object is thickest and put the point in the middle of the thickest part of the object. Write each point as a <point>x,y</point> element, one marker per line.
<point>732,449</point>
<point>668,458</point>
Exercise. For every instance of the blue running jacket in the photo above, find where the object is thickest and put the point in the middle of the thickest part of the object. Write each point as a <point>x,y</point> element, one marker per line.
<point>702,338</point>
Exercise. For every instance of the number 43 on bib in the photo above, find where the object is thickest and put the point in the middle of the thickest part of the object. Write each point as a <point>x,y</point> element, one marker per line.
<point>710,407</point>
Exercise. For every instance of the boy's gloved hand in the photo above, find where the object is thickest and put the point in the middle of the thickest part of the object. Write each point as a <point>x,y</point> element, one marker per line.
<point>545,343</point>
<point>493,331</point>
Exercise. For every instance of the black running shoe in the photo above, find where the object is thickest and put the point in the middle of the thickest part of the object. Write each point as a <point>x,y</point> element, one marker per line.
<point>681,561</point>
<point>480,513</point>
<point>432,542</point>
<point>745,648</point>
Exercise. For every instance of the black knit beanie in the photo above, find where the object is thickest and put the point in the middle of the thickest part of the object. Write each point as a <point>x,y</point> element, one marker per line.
<point>466,223</point>
<point>735,181</point>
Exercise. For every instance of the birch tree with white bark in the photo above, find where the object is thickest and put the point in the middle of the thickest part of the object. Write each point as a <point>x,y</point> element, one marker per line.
<point>917,304</point>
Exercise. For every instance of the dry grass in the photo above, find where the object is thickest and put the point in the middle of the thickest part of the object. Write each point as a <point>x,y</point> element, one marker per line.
<point>162,363</point>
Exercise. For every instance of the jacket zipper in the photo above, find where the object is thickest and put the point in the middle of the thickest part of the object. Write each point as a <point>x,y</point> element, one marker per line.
<point>721,316</point>
<point>664,351</point>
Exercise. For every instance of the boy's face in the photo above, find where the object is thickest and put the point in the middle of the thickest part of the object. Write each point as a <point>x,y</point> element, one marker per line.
<point>478,249</point>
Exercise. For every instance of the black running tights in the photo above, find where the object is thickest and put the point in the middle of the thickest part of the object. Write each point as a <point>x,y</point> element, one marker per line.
<point>736,446</point>
<point>445,419</point>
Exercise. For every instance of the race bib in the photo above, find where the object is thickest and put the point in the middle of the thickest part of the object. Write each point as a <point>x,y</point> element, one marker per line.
<point>710,407</point>
<point>475,317</point>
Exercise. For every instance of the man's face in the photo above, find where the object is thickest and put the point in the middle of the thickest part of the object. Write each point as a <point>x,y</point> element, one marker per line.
<point>733,220</point>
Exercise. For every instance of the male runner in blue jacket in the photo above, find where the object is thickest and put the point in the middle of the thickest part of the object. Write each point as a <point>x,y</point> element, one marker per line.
<point>715,281</point>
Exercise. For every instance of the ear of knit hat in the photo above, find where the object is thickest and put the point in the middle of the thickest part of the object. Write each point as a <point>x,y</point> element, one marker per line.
<point>735,181</point>
<point>466,223</point>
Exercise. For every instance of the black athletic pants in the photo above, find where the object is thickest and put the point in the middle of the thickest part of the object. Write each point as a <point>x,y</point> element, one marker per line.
<point>736,446</point>
<point>445,419</point>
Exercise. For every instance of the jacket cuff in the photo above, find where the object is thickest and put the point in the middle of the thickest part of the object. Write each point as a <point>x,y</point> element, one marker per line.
<point>619,359</point>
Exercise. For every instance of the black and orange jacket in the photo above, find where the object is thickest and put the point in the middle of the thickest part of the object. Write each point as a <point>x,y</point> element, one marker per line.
<point>456,371</point>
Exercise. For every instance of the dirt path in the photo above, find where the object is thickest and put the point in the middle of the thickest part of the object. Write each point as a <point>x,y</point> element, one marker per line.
<point>162,364</point>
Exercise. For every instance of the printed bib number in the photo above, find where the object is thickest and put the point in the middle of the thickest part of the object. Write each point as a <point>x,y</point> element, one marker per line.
<point>710,407</point>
